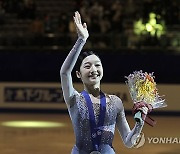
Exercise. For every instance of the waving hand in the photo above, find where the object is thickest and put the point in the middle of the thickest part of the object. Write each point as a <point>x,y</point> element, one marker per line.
<point>81,28</point>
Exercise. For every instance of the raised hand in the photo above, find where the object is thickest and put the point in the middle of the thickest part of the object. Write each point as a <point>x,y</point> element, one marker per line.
<point>81,28</point>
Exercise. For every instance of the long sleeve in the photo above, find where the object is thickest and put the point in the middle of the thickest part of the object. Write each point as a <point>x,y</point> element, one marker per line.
<point>128,136</point>
<point>67,67</point>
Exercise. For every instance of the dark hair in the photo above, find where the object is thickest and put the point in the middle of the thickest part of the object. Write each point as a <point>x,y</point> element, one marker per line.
<point>82,56</point>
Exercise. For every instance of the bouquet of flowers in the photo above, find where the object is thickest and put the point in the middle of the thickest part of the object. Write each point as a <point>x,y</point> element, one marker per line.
<point>144,92</point>
<point>142,87</point>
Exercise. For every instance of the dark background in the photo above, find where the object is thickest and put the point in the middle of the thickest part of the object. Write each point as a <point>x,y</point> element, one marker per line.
<point>44,67</point>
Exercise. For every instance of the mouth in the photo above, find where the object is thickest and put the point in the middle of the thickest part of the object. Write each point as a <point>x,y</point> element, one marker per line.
<point>94,76</point>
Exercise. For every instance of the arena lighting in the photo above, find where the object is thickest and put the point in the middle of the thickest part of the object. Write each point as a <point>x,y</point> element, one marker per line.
<point>32,124</point>
<point>152,27</point>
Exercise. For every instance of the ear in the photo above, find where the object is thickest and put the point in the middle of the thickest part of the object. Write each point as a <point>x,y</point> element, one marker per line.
<point>78,74</point>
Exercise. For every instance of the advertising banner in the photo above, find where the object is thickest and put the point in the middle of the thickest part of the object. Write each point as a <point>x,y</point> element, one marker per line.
<point>50,96</point>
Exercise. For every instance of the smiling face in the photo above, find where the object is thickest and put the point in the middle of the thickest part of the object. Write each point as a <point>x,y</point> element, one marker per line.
<point>91,70</point>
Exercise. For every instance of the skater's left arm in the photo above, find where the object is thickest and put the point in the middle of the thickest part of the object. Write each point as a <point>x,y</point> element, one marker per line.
<point>128,136</point>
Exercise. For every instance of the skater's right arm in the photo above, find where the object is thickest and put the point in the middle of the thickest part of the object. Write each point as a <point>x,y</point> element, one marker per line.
<point>68,65</point>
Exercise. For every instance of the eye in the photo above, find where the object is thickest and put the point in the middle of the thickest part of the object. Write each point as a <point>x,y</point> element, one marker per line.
<point>98,65</point>
<point>87,66</point>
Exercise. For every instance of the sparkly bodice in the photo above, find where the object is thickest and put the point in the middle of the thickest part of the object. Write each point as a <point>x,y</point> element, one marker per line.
<point>80,118</point>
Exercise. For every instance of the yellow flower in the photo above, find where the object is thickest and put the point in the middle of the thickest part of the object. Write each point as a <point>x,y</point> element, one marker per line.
<point>146,89</point>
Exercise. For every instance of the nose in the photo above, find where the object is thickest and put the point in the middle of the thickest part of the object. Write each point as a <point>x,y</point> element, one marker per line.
<point>93,69</point>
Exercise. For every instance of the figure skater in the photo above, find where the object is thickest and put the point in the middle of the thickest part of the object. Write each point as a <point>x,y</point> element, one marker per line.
<point>94,114</point>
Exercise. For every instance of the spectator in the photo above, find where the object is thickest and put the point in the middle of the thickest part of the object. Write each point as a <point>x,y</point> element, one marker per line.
<point>2,12</point>
<point>27,9</point>
<point>37,27</point>
<point>37,30</point>
<point>63,23</point>
<point>48,23</point>
<point>116,16</point>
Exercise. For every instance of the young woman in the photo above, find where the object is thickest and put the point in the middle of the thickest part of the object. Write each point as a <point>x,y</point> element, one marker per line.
<point>94,114</point>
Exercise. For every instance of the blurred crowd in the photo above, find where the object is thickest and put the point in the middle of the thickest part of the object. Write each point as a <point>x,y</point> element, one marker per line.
<point>23,8</point>
<point>102,17</point>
